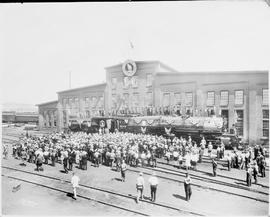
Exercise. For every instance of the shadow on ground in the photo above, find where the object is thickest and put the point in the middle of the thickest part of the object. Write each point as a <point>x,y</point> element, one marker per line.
<point>179,196</point>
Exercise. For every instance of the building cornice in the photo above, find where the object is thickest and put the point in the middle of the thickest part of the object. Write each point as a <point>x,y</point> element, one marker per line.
<point>81,88</point>
<point>47,103</point>
<point>213,72</point>
<point>137,62</point>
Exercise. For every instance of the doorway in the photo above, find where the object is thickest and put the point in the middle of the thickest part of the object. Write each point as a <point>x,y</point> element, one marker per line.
<point>225,116</point>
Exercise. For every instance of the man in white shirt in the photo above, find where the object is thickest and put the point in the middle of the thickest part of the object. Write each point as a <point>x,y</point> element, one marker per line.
<point>153,180</point>
<point>187,161</point>
<point>229,161</point>
<point>143,156</point>
<point>140,186</point>
<point>75,183</point>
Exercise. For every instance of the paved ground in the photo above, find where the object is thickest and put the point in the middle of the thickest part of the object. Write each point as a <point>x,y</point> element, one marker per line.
<point>34,200</point>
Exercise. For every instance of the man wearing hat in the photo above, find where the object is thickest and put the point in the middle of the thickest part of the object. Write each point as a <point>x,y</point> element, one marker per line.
<point>65,161</point>
<point>153,180</point>
<point>53,156</point>
<point>249,175</point>
<point>140,187</point>
<point>123,170</point>
<point>75,184</point>
<point>214,164</point>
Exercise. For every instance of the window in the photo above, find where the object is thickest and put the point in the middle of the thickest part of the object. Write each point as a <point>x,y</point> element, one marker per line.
<point>149,99</point>
<point>224,98</point>
<point>239,97</point>
<point>189,99</point>
<point>148,80</point>
<point>94,101</point>
<point>70,103</point>
<point>101,102</point>
<point>114,83</point>
<point>64,102</point>
<point>225,117</point>
<point>265,97</point>
<point>239,122</point>
<point>114,101</point>
<point>210,112</point>
<point>87,101</point>
<point>210,98</point>
<point>127,82</point>
<point>64,118</point>
<point>134,81</point>
<point>265,123</point>
<point>126,100</point>
<point>76,100</point>
<point>135,99</point>
<point>55,117</point>
<point>166,99</point>
<point>177,98</point>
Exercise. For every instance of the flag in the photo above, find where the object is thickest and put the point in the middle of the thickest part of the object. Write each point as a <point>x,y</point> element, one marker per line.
<point>131,45</point>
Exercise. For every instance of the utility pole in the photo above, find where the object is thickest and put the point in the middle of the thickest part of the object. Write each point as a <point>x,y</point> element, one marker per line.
<point>69,79</point>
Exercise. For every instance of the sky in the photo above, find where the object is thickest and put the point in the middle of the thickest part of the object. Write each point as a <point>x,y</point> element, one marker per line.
<point>40,44</point>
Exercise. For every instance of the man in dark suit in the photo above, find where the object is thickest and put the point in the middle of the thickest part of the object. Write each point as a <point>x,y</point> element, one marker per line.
<point>187,185</point>
<point>214,167</point>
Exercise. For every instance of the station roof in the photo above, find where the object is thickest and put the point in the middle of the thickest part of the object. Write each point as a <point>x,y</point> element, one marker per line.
<point>84,87</point>
<point>214,72</point>
<point>47,103</point>
<point>27,114</point>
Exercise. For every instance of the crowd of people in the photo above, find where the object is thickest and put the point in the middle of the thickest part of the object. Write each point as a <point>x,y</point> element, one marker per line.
<point>120,149</point>
<point>108,149</point>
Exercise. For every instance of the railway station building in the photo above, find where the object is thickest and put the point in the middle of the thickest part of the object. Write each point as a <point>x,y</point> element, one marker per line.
<point>153,88</point>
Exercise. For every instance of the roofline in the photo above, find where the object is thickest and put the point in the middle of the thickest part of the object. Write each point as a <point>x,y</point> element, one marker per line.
<point>5,112</point>
<point>79,88</point>
<point>45,103</point>
<point>214,72</point>
<point>19,114</point>
<point>143,61</point>
<point>168,67</point>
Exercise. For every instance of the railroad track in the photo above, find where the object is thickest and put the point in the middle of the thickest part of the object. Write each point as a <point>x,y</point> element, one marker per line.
<point>201,171</point>
<point>202,177</point>
<point>9,141</point>
<point>130,197</point>
<point>78,195</point>
<point>204,187</point>
<point>206,159</point>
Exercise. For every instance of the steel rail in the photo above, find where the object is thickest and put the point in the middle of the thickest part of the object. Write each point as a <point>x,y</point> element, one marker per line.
<point>110,192</point>
<point>222,176</point>
<point>78,195</point>
<point>204,187</point>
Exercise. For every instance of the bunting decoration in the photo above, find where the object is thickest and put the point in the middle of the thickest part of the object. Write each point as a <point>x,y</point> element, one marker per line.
<point>143,129</point>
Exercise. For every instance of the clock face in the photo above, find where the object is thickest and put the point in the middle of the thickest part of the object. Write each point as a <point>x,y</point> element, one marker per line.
<point>129,68</point>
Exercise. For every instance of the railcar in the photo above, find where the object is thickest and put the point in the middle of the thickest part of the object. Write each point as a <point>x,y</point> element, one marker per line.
<point>74,125</point>
<point>105,124</point>
<point>197,127</point>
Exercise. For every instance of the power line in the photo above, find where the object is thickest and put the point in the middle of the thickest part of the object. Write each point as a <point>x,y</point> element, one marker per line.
<point>69,79</point>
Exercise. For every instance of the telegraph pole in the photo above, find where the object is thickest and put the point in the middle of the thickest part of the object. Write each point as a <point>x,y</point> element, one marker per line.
<point>69,79</point>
